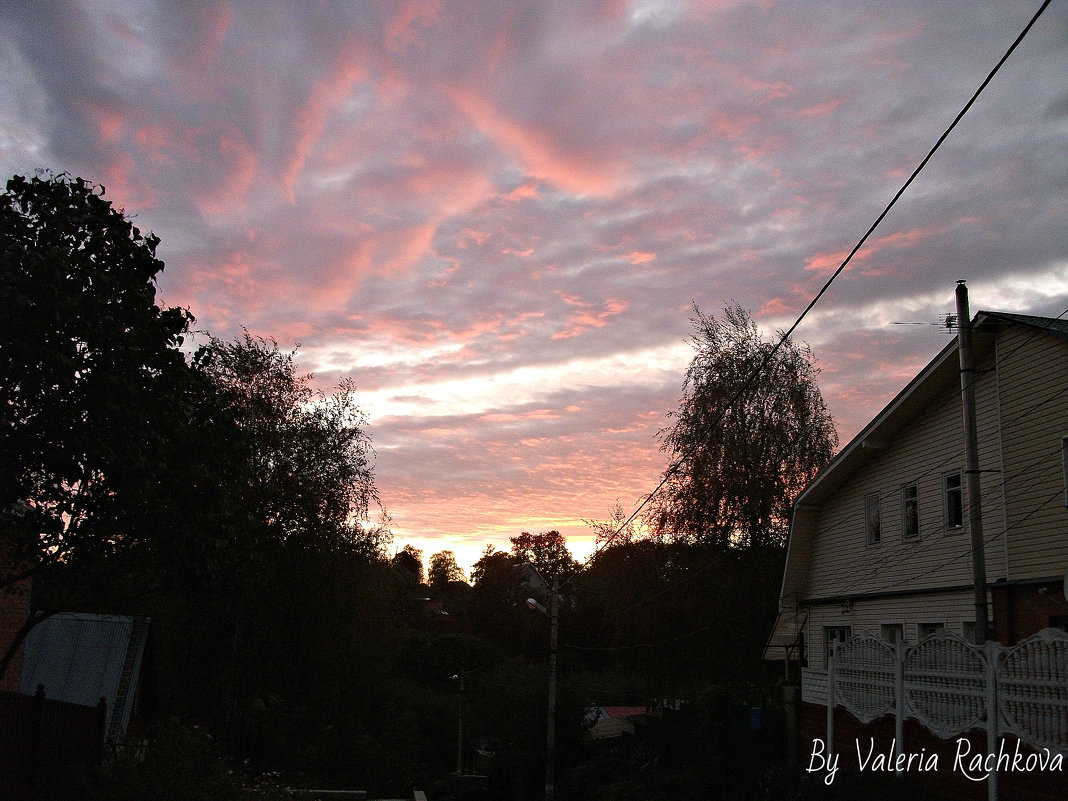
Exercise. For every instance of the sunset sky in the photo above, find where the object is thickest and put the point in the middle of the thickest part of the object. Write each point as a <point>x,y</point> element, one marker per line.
<point>495,216</point>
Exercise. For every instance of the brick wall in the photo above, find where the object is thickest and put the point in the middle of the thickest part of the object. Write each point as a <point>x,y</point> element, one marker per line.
<point>14,608</point>
<point>946,782</point>
<point>1023,610</point>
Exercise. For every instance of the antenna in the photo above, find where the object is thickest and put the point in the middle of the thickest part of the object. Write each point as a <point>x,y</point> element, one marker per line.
<point>947,322</point>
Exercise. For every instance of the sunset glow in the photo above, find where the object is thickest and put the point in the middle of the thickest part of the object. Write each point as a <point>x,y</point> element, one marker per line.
<point>495,218</point>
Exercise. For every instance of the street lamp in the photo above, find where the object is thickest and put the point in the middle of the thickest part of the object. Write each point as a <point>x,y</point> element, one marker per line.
<point>460,727</point>
<point>550,743</point>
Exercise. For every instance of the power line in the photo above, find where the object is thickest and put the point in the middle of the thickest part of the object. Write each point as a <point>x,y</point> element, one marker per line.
<point>771,354</point>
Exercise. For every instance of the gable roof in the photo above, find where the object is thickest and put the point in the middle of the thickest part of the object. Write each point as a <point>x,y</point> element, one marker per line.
<point>917,394</point>
<point>924,388</point>
<point>81,658</point>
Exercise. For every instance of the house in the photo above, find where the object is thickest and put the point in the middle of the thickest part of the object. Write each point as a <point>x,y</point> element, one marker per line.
<point>879,541</point>
<point>611,722</point>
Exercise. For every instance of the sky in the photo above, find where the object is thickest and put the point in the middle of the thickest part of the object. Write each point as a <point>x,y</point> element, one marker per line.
<point>496,217</point>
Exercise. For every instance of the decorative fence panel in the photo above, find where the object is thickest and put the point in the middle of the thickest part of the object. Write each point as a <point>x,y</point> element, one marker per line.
<point>865,677</point>
<point>1032,686</point>
<point>945,684</point>
<point>951,686</point>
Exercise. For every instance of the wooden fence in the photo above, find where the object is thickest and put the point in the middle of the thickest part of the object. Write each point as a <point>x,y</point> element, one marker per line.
<point>46,744</point>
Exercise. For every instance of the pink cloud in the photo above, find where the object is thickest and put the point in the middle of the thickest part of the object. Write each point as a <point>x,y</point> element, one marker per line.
<point>826,263</point>
<point>404,28</point>
<point>586,316</point>
<point>311,119</point>
<point>640,257</point>
<point>540,155</point>
<point>820,110</point>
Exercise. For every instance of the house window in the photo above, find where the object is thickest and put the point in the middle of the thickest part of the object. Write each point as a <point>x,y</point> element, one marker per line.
<point>871,518</point>
<point>832,635</point>
<point>953,501</point>
<point>925,630</point>
<point>910,512</point>
<point>967,630</point>
<point>892,633</point>
<point>1064,465</point>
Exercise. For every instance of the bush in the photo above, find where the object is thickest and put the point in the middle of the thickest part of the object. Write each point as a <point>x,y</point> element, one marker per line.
<point>178,763</point>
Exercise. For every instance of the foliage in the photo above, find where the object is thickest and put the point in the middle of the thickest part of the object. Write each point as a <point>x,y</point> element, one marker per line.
<point>237,517</point>
<point>180,763</point>
<point>750,431</point>
<point>307,458</point>
<point>618,529</point>
<point>409,559</point>
<point>443,569</point>
<point>664,610</point>
<point>546,551</point>
<point>91,375</point>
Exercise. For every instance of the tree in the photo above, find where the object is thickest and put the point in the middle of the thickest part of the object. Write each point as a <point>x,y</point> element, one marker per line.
<point>410,560</point>
<point>443,569</point>
<point>490,565</point>
<point>546,551</point>
<point>306,458</point>
<point>619,529</point>
<point>91,375</point>
<point>750,432</point>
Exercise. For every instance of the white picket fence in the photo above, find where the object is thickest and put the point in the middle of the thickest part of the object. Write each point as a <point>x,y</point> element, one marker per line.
<point>951,686</point>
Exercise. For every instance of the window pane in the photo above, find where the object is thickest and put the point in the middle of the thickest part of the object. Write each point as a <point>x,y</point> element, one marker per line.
<point>954,500</point>
<point>833,635</point>
<point>910,512</point>
<point>871,518</point>
<point>892,632</point>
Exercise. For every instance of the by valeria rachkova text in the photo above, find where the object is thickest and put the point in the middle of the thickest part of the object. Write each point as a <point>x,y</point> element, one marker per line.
<point>973,765</point>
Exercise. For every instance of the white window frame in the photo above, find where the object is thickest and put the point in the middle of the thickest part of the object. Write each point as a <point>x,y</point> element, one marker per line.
<point>952,528</point>
<point>829,642</point>
<point>905,502</point>
<point>873,501</point>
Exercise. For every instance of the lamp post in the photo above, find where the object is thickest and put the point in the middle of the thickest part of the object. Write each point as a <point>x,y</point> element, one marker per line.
<point>460,727</point>
<point>550,737</point>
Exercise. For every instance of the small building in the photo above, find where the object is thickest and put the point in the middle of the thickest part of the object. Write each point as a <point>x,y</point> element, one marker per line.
<point>610,722</point>
<point>83,658</point>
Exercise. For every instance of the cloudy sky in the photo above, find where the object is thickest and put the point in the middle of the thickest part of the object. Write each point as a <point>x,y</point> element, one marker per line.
<point>495,216</point>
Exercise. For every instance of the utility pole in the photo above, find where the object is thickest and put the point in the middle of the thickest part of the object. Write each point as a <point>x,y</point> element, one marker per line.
<point>550,743</point>
<point>460,728</point>
<point>971,456</point>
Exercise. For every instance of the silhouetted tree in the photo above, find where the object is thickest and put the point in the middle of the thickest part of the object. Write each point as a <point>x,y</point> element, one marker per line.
<point>750,432</point>
<point>91,374</point>
<point>619,529</point>
<point>547,551</point>
<point>410,560</point>
<point>443,569</point>
<point>307,456</point>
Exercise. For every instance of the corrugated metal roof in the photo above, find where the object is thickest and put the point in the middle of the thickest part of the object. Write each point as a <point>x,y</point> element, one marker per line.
<point>81,658</point>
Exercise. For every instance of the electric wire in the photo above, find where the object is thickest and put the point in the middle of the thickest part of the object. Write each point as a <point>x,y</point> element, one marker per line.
<point>826,286</point>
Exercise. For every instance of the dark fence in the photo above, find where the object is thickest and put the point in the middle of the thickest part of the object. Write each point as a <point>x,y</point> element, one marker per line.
<point>45,745</point>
